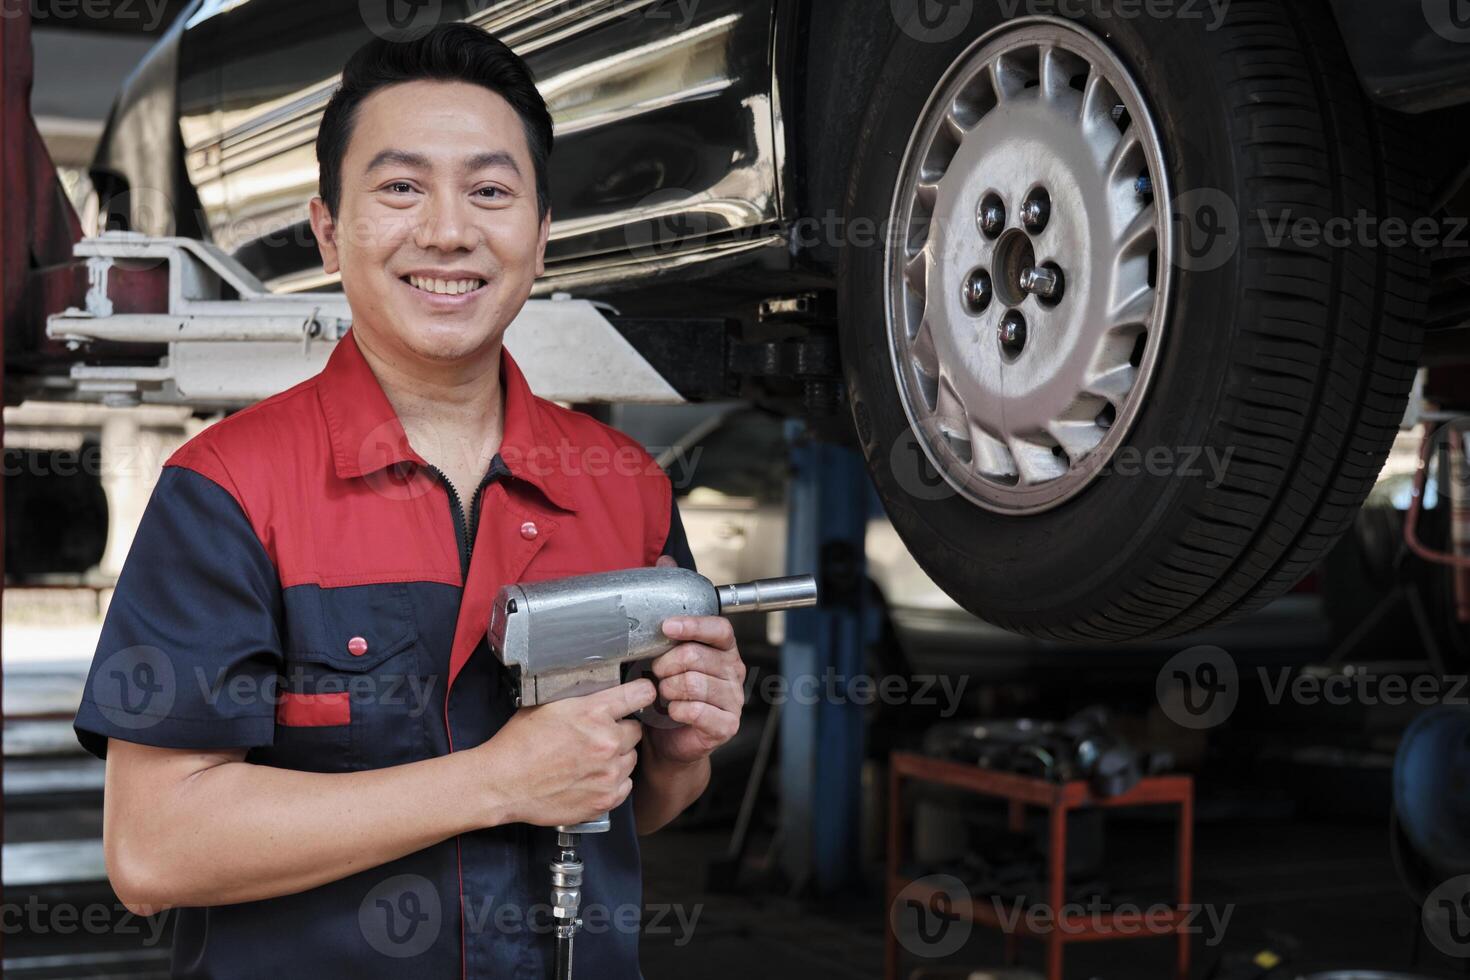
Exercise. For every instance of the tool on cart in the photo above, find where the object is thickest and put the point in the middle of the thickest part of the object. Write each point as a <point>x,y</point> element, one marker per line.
<point>569,637</point>
<point>1084,746</point>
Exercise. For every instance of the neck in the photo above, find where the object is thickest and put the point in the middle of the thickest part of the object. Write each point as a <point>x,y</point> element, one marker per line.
<point>453,413</point>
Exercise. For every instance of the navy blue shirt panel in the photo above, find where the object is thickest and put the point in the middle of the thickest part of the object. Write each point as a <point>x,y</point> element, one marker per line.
<point>677,543</point>
<point>190,650</point>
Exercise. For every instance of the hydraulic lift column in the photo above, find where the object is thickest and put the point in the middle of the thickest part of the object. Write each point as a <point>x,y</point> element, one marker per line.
<point>822,737</point>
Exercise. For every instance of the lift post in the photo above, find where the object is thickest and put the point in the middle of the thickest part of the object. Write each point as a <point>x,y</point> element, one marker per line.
<point>824,649</point>
<point>38,225</point>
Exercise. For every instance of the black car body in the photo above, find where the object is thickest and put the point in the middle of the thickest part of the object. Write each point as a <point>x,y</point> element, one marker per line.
<point>746,163</point>
<point>701,144</point>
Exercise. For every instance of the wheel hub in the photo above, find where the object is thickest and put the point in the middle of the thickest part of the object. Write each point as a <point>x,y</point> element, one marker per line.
<point>1033,171</point>
<point>1013,257</point>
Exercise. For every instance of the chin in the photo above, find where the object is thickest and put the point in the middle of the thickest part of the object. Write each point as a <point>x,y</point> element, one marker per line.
<point>445,340</point>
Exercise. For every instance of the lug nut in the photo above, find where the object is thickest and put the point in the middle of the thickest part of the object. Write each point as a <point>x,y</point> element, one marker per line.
<point>1036,212</point>
<point>1041,282</point>
<point>1012,331</point>
<point>977,290</point>
<point>992,217</point>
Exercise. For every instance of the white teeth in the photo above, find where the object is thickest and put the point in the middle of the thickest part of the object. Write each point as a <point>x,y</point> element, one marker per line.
<point>446,287</point>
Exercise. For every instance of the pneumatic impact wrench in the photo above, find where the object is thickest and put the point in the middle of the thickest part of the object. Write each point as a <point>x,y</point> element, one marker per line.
<point>568,637</point>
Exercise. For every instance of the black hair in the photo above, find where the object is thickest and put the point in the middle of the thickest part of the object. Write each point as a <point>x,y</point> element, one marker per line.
<point>447,52</point>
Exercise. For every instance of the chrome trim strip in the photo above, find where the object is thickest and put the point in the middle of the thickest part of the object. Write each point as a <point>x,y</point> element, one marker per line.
<point>584,272</point>
<point>522,39</point>
<point>631,270</point>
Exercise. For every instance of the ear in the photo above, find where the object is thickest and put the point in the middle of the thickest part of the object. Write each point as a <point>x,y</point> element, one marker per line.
<point>541,244</point>
<point>324,227</point>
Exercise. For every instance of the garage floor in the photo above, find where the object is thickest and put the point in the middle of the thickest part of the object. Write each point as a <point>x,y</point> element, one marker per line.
<point>1328,887</point>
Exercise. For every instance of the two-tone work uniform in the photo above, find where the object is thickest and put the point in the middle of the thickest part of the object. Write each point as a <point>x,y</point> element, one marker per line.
<point>303,585</point>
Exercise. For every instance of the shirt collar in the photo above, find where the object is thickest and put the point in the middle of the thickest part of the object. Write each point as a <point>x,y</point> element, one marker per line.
<point>367,436</point>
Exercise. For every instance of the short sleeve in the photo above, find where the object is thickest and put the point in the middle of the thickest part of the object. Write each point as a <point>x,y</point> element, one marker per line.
<point>676,545</point>
<point>190,650</point>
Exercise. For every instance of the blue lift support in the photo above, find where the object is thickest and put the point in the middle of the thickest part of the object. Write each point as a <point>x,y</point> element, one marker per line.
<point>822,732</point>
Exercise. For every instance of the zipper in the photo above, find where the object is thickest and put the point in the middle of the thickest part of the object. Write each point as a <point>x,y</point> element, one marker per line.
<point>464,531</point>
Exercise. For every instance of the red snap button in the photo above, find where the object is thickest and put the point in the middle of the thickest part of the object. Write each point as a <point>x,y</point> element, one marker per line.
<point>357,646</point>
<point>528,530</point>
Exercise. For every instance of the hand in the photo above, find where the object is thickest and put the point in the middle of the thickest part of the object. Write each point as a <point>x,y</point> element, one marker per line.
<point>703,680</point>
<point>568,761</point>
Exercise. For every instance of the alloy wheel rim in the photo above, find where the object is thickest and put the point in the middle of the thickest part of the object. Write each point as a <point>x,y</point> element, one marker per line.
<point>1028,274</point>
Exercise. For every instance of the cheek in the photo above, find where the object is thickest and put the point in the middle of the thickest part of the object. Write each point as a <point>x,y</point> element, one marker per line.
<point>371,239</point>
<point>514,244</point>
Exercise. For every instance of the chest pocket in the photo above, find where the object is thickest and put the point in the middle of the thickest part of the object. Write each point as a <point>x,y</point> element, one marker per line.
<point>354,695</point>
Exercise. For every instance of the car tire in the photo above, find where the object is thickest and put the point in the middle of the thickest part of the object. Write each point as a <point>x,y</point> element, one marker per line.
<point>1281,365</point>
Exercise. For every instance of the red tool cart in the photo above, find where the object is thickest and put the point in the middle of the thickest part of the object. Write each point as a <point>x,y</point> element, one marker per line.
<point>1059,799</point>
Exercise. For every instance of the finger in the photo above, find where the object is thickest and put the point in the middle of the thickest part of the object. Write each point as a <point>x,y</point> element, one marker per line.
<point>695,686</point>
<point>697,656</point>
<point>630,732</point>
<point>714,631</point>
<point>623,700</point>
<point>666,561</point>
<point>715,723</point>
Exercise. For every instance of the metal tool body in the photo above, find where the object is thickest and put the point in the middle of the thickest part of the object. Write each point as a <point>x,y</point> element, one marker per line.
<point>570,637</point>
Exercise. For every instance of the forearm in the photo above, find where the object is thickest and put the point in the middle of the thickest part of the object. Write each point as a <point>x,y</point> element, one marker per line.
<point>662,789</point>
<point>238,832</point>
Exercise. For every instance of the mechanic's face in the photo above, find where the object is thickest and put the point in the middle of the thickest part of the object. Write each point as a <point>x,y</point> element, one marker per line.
<point>436,235</point>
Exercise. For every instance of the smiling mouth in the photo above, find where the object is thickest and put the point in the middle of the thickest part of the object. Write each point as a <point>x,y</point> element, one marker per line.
<point>443,287</point>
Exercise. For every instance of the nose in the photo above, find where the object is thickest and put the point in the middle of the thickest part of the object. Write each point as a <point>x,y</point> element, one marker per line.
<point>445,225</point>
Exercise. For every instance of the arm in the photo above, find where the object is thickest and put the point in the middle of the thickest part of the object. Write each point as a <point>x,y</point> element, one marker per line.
<point>665,789</point>
<point>198,828</point>
<point>185,827</point>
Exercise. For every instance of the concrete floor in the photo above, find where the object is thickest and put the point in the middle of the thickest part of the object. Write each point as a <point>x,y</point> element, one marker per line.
<point>1328,888</point>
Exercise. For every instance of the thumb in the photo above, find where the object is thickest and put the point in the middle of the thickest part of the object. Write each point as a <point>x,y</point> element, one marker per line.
<point>666,561</point>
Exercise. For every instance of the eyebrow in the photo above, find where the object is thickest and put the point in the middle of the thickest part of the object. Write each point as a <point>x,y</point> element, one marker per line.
<point>496,158</point>
<point>480,161</point>
<point>402,158</point>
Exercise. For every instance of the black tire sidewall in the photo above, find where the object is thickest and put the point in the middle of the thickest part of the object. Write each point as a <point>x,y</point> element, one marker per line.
<point>1008,568</point>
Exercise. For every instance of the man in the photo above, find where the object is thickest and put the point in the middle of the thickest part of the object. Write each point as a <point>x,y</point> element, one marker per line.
<point>311,751</point>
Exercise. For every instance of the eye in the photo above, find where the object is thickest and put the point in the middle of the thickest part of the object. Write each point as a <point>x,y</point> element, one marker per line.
<point>491,193</point>
<point>399,187</point>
